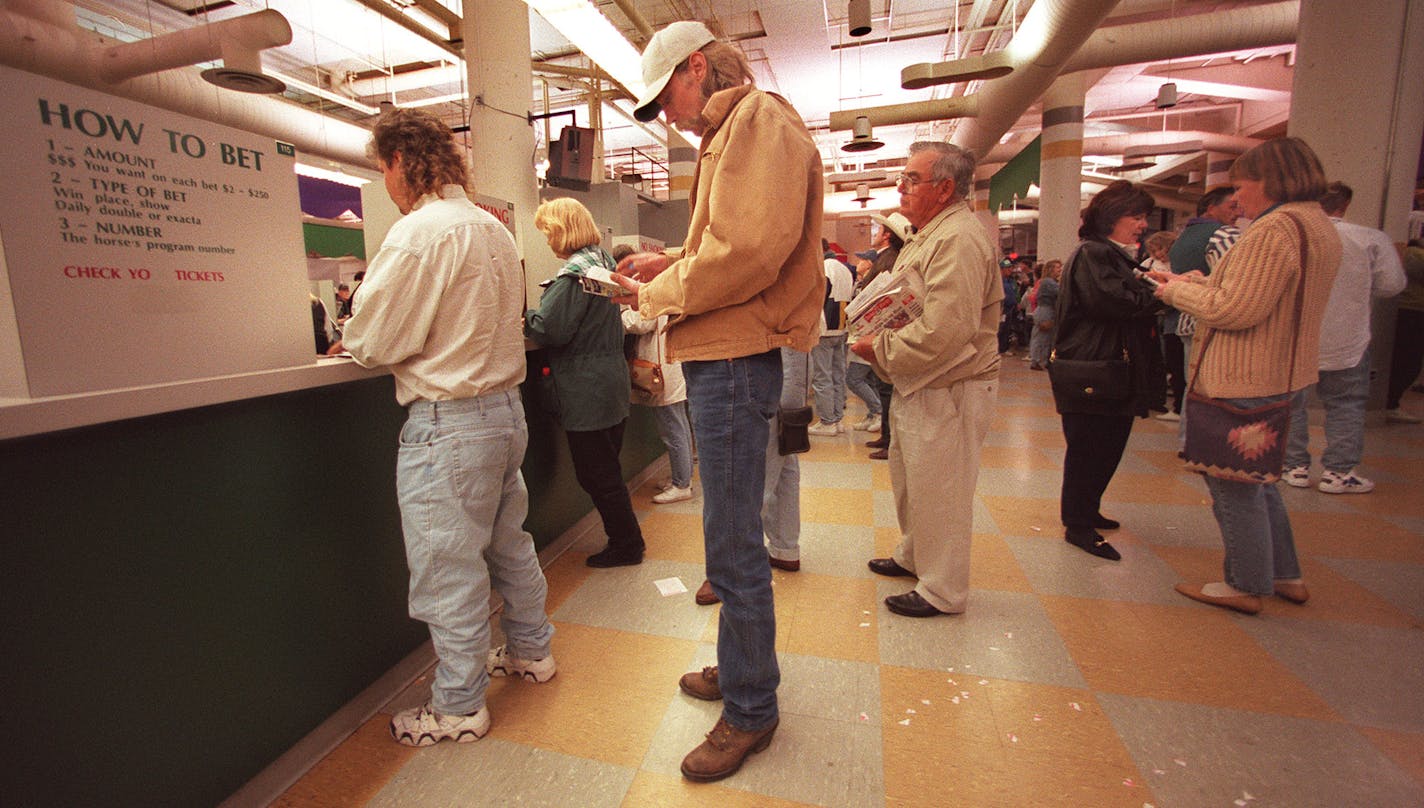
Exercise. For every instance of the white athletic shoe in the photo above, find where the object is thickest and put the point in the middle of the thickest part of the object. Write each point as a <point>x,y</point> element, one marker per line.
<point>673,494</point>
<point>422,726</point>
<point>1298,477</point>
<point>503,663</point>
<point>824,429</point>
<point>870,423</point>
<point>1399,416</point>
<point>1333,482</point>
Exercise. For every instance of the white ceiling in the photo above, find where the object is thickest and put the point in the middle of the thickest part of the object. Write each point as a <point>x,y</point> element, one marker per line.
<point>799,48</point>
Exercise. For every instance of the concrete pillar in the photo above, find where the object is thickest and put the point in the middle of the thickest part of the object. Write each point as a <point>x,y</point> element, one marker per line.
<point>1355,99</point>
<point>1061,167</point>
<point>496,36</point>
<point>682,164</point>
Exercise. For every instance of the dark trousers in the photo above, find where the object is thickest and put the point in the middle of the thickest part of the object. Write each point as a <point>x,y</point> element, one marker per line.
<point>1095,446</point>
<point>884,389</point>
<point>595,456</point>
<point>1408,355</point>
<point>1176,369</point>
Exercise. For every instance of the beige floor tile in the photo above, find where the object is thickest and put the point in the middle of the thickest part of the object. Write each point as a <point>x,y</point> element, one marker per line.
<point>603,704</point>
<point>880,475</point>
<point>1355,535</point>
<point>1332,595</point>
<point>1406,749</point>
<point>564,576</point>
<point>1018,516</point>
<point>1402,498</point>
<point>1015,457</point>
<point>653,790</point>
<point>673,536</point>
<point>354,772</point>
<point>1193,653</point>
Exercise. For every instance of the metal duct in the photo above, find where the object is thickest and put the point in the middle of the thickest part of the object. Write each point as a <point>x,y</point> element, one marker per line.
<point>1255,27</point>
<point>238,41</point>
<point>410,80</point>
<point>1117,144</point>
<point>43,45</point>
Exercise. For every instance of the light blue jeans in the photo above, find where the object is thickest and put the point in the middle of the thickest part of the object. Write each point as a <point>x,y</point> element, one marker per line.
<point>858,381</point>
<point>1344,394</point>
<point>677,437</point>
<point>1255,528</point>
<point>732,403</point>
<point>781,505</point>
<point>463,504</point>
<point>829,378</point>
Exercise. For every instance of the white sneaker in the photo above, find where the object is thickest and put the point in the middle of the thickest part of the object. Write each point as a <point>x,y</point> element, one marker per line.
<point>422,726</point>
<point>1168,416</point>
<point>1299,477</point>
<point>503,663</point>
<point>824,429</point>
<point>1399,416</point>
<point>1333,482</point>
<point>673,494</point>
<point>870,423</point>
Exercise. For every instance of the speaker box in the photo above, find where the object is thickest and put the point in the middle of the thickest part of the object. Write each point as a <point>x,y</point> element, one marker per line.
<point>571,159</point>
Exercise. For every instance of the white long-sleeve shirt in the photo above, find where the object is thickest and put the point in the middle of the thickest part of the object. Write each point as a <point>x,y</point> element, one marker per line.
<point>1369,268</point>
<point>442,302</point>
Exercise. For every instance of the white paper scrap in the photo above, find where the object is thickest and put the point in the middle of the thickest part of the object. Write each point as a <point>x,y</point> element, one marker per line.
<point>1036,528</point>
<point>925,702</point>
<point>1246,795</point>
<point>1180,762</point>
<point>993,648</point>
<point>1158,771</point>
<point>864,717</point>
<point>954,700</point>
<point>1127,781</point>
<point>865,625</point>
<point>910,710</point>
<point>670,586</point>
<point>1013,738</point>
<point>1240,803</point>
<point>1075,705</point>
<point>905,723</point>
<point>983,681</point>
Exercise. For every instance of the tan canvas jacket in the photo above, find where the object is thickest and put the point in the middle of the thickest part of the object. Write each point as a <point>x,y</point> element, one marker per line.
<point>750,276</point>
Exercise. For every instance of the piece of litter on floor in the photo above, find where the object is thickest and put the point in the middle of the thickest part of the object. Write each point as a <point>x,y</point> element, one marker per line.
<point>1013,738</point>
<point>1158,771</point>
<point>1148,805</point>
<point>910,710</point>
<point>983,681</point>
<point>993,648</point>
<point>1035,528</point>
<point>1037,717</point>
<point>864,717</point>
<point>925,702</point>
<point>954,700</point>
<point>1009,634</point>
<point>951,681</point>
<point>905,723</point>
<point>865,625</point>
<point>670,586</point>
<point>1127,781</point>
<point>1171,527</point>
<point>1180,762</point>
<point>1075,705</point>
<point>1239,803</point>
<point>1246,795</point>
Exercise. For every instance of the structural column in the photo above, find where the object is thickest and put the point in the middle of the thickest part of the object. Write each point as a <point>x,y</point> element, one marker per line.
<point>1360,108</point>
<point>1060,169</point>
<point>496,36</point>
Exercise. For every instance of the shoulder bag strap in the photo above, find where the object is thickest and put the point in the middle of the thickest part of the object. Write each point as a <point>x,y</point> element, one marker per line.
<point>1299,310</point>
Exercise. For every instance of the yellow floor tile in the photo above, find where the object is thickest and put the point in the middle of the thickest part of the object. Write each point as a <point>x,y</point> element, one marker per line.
<point>839,506</point>
<point>601,705</point>
<point>992,565</point>
<point>1332,596</point>
<point>1024,458</point>
<point>564,576</point>
<point>880,475</point>
<point>1190,653</point>
<point>824,616</point>
<point>651,790</point>
<point>354,772</point>
<point>1354,535</point>
<point>1155,489</point>
<point>673,536</point>
<point>1396,499</point>
<point>1406,749</point>
<point>886,540</point>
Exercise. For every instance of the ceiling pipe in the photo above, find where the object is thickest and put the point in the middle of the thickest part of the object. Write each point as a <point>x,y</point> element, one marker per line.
<point>636,17</point>
<point>388,11</point>
<point>1117,144</point>
<point>238,41</point>
<point>401,82</point>
<point>54,46</point>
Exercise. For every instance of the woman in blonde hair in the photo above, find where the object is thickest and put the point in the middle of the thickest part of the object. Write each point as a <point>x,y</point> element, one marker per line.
<point>584,335</point>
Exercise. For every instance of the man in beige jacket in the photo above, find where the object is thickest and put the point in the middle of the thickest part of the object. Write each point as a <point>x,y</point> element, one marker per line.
<point>748,282</point>
<point>945,368</point>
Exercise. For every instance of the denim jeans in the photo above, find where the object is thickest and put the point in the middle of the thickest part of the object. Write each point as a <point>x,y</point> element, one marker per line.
<point>1255,528</point>
<point>829,378</point>
<point>858,377</point>
<point>1343,393</point>
<point>732,403</point>
<point>781,504</point>
<point>463,504</point>
<point>677,437</point>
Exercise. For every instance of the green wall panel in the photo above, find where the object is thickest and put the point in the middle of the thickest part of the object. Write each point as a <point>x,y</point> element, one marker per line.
<point>333,242</point>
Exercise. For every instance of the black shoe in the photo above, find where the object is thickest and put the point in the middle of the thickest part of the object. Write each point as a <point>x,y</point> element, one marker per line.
<point>887,566</point>
<point>878,443</point>
<point>609,557</point>
<point>1093,543</point>
<point>911,604</point>
<point>1101,522</point>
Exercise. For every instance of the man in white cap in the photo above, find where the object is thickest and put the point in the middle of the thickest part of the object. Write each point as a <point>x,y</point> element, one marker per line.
<point>746,283</point>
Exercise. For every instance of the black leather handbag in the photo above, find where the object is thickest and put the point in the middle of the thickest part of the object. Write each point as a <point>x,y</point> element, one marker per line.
<point>1090,379</point>
<point>791,434</point>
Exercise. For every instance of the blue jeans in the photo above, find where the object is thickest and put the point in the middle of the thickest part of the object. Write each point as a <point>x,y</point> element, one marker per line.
<point>858,381</point>
<point>463,504</point>
<point>732,403</point>
<point>1255,528</point>
<point>829,378</point>
<point>781,504</point>
<point>1344,394</point>
<point>677,437</point>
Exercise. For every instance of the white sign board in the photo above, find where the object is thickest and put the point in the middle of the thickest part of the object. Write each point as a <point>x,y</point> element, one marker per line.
<point>144,246</point>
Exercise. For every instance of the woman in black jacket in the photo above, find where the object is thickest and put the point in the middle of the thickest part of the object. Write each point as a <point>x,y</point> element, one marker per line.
<point>1104,312</point>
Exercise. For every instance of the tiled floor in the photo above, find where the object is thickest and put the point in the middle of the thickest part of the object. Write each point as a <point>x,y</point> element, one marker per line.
<point>1070,681</point>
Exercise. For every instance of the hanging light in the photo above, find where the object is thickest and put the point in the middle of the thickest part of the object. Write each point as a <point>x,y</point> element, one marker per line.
<point>861,139</point>
<point>862,193</point>
<point>858,13</point>
<point>1167,95</point>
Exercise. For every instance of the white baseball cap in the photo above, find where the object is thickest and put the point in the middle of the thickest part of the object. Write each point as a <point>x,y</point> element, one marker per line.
<point>669,48</point>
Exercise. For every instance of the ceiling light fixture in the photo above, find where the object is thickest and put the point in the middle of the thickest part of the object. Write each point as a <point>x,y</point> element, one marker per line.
<point>862,140</point>
<point>1167,95</point>
<point>858,17</point>
<point>862,194</point>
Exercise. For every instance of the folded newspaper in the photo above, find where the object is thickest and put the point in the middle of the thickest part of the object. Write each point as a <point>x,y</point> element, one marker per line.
<point>598,281</point>
<point>883,304</point>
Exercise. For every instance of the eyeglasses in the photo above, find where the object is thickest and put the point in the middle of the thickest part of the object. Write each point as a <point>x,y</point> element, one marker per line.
<point>905,181</point>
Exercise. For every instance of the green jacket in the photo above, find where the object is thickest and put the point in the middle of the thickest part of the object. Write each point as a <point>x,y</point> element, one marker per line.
<point>584,335</point>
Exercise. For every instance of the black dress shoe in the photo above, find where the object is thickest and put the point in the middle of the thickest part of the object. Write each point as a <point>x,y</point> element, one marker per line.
<point>878,443</point>
<point>887,566</point>
<point>609,557</point>
<point>1091,542</point>
<point>1101,522</point>
<point>911,604</point>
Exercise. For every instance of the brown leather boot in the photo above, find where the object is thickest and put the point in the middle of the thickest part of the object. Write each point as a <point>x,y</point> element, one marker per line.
<point>701,684</point>
<point>705,596</point>
<point>724,751</point>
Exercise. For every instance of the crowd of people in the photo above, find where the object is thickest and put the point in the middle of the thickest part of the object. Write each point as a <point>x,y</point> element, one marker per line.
<point>748,319</point>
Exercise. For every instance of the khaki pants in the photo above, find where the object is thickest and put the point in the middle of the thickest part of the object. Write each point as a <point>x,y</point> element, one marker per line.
<point>934,466</point>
